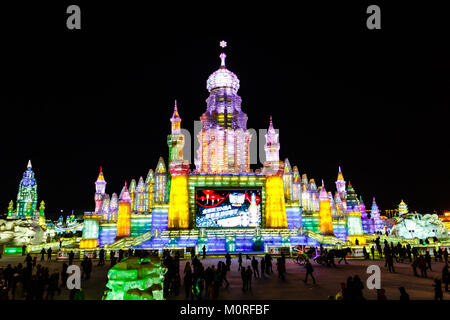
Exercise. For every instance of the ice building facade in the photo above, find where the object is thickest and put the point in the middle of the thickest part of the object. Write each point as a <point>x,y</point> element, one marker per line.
<point>220,202</point>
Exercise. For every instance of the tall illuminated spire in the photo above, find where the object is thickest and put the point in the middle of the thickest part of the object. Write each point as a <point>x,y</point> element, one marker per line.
<point>375,216</point>
<point>100,187</point>
<point>113,207</point>
<point>352,199</point>
<point>272,146</point>
<point>366,222</point>
<point>139,201</point>
<point>325,214</point>
<point>296,185</point>
<point>402,208</point>
<point>224,141</point>
<point>288,180</point>
<point>124,214</point>
<point>124,194</point>
<point>149,192</point>
<point>323,193</point>
<point>160,187</point>
<point>176,120</point>
<point>340,185</point>
<point>27,195</point>
<point>178,216</point>
<point>132,193</point>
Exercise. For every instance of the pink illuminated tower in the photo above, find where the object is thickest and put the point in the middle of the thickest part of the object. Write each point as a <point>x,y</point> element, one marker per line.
<point>272,147</point>
<point>100,186</point>
<point>340,185</point>
<point>366,223</point>
<point>375,216</point>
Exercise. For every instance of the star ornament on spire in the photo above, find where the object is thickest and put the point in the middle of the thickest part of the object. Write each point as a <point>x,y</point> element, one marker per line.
<point>223,43</point>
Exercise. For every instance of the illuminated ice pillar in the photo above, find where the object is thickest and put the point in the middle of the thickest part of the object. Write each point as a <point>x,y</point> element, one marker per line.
<point>306,194</point>
<point>11,209</point>
<point>287,181</point>
<point>364,217</point>
<point>339,206</point>
<point>296,185</point>
<point>253,211</point>
<point>334,212</point>
<point>315,202</point>
<point>139,201</point>
<point>100,186</point>
<point>41,219</point>
<point>375,216</point>
<point>148,190</point>
<point>402,209</point>
<point>132,192</point>
<point>104,209</point>
<point>325,217</point>
<point>340,187</point>
<point>160,182</point>
<point>179,170</point>
<point>273,170</point>
<point>124,215</point>
<point>113,207</point>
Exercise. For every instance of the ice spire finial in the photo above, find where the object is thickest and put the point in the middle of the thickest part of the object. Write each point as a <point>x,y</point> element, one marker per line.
<point>175,112</point>
<point>29,164</point>
<point>271,125</point>
<point>222,58</point>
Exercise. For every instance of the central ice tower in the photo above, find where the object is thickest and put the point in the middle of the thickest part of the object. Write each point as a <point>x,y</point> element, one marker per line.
<point>224,141</point>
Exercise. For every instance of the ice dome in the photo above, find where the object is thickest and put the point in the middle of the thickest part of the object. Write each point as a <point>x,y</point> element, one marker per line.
<point>222,78</point>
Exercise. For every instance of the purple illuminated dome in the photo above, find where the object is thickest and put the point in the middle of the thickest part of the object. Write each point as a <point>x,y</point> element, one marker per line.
<point>223,78</point>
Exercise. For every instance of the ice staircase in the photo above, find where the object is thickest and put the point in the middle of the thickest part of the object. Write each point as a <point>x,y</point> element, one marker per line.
<point>332,240</point>
<point>132,241</point>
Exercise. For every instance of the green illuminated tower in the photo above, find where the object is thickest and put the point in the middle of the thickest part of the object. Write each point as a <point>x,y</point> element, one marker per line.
<point>27,195</point>
<point>10,209</point>
<point>352,199</point>
<point>402,208</point>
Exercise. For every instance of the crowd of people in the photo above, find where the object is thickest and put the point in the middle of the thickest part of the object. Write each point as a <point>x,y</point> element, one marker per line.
<point>204,282</point>
<point>30,281</point>
<point>33,281</point>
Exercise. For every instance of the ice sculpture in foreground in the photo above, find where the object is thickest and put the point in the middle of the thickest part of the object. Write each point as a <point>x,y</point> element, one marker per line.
<point>415,225</point>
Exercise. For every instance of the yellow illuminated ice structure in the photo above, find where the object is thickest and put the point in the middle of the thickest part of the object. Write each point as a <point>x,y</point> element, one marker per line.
<point>136,279</point>
<point>275,205</point>
<point>325,216</point>
<point>88,243</point>
<point>123,220</point>
<point>179,203</point>
<point>361,239</point>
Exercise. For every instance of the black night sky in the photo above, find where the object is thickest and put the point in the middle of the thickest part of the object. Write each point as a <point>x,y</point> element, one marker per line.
<point>374,102</point>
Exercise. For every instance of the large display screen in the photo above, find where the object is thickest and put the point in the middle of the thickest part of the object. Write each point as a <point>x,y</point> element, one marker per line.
<point>223,208</point>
